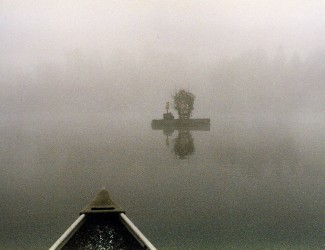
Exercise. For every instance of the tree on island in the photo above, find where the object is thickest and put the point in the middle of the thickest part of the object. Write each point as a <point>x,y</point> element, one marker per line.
<point>184,103</point>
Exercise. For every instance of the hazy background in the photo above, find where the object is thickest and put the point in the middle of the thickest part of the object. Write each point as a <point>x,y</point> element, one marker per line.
<point>81,81</point>
<point>130,56</point>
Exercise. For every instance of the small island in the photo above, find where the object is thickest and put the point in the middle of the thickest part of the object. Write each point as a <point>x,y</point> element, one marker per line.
<point>184,105</point>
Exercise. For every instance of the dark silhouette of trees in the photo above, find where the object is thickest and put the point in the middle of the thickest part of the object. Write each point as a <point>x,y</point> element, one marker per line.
<point>184,103</point>
<point>184,144</point>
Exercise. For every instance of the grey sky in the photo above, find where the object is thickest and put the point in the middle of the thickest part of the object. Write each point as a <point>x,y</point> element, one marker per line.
<point>97,54</point>
<point>221,28</point>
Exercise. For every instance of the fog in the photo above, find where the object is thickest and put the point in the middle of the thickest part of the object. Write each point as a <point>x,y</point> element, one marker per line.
<point>82,80</point>
<point>130,57</point>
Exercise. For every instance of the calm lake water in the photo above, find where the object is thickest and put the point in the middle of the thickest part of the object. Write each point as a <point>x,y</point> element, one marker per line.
<point>250,182</point>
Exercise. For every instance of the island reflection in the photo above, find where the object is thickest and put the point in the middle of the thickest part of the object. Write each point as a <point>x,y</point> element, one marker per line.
<point>183,144</point>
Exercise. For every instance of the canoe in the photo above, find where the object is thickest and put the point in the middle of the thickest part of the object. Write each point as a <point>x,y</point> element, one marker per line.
<point>102,225</point>
<point>191,124</point>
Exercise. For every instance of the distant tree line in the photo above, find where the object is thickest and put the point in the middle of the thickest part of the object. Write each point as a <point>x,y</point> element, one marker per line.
<point>249,82</point>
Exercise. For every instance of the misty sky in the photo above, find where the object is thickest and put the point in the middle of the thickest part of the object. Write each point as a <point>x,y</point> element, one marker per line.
<point>147,44</point>
<point>35,28</point>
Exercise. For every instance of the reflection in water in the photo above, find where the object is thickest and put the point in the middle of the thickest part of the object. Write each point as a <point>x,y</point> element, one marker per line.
<point>183,144</point>
<point>259,183</point>
<point>168,132</point>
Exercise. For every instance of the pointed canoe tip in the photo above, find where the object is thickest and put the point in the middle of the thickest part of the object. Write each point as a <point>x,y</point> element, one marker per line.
<point>102,191</point>
<point>102,203</point>
<point>102,197</point>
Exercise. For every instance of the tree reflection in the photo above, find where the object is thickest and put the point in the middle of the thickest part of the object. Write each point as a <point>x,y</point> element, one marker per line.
<point>168,132</point>
<point>183,144</point>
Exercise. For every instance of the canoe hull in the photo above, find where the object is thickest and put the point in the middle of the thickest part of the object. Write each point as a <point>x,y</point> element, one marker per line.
<point>102,224</point>
<point>104,231</point>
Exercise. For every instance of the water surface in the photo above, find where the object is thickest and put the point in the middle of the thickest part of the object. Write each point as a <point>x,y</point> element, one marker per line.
<point>252,181</point>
